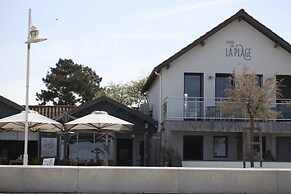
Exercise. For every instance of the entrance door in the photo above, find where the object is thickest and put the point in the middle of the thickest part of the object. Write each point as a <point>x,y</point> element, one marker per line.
<point>193,148</point>
<point>283,149</point>
<point>139,153</point>
<point>124,152</point>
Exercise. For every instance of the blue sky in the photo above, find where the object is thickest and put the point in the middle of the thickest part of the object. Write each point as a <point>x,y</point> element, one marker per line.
<point>120,40</point>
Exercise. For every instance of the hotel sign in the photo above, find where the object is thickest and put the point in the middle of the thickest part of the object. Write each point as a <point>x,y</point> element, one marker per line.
<point>237,50</point>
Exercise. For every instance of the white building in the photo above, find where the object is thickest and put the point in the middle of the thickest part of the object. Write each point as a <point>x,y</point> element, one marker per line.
<point>185,88</point>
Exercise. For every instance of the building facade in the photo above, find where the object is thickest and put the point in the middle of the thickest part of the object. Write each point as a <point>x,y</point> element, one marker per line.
<point>12,142</point>
<point>130,148</point>
<point>185,90</point>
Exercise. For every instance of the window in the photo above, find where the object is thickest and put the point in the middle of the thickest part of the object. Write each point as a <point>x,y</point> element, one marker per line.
<point>220,146</point>
<point>193,91</point>
<point>257,147</point>
<point>285,86</point>
<point>259,80</point>
<point>222,81</point>
<point>87,147</point>
<point>193,84</point>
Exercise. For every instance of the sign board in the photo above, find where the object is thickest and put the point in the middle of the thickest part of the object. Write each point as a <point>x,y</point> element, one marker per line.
<point>48,161</point>
<point>48,147</point>
<point>238,50</point>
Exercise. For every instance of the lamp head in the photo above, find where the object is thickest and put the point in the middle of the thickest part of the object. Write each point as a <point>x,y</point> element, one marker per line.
<point>34,38</point>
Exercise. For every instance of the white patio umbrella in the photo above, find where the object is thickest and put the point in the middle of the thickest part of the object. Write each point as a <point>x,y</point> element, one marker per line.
<point>100,121</point>
<point>36,123</point>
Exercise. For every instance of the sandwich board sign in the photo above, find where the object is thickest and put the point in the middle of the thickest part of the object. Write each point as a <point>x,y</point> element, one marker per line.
<point>48,161</point>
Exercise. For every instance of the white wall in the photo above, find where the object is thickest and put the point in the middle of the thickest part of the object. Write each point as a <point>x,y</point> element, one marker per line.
<point>211,58</point>
<point>234,164</point>
<point>176,142</point>
<point>72,179</point>
<point>154,98</point>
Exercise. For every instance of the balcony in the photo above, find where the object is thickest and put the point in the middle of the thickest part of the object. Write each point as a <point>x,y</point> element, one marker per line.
<point>206,108</point>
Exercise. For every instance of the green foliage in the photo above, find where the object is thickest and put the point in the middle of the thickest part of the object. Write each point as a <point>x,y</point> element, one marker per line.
<point>36,161</point>
<point>69,83</point>
<point>127,93</point>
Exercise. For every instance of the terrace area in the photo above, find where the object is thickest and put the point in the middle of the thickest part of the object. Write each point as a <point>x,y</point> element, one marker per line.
<point>207,108</point>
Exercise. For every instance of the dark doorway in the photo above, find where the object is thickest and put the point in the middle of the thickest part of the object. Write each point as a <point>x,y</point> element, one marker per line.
<point>141,153</point>
<point>283,149</point>
<point>124,152</point>
<point>193,148</point>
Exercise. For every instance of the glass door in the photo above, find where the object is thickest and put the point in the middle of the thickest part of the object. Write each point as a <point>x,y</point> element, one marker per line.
<point>193,93</point>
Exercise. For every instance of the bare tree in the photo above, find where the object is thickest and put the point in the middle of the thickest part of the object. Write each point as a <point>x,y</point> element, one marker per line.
<point>248,94</point>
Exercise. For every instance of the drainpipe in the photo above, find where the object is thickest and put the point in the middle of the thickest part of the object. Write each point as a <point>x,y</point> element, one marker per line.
<point>160,102</point>
<point>159,147</point>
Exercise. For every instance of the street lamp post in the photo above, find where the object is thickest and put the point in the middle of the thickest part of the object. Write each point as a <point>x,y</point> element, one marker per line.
<point>32,38</point>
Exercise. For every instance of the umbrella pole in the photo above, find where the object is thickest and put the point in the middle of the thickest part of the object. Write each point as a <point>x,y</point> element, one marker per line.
<point>106,149</point>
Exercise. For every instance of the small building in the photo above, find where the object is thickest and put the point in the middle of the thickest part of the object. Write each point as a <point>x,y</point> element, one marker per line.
<point>185,89</point>
<point>12,143</point>
<point>126,148</point>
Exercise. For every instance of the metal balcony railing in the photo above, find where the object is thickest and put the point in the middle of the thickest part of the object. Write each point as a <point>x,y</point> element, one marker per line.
<point>207,108</point>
